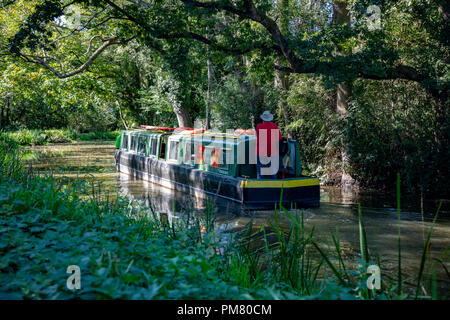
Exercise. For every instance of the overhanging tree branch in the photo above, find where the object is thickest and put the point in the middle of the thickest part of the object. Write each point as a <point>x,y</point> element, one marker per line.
<point>246,9</point>
<point>230,50</point>
<point>252,13</point>
<point>159,34</point>
<point>297,64</point>
<point>44,60</point>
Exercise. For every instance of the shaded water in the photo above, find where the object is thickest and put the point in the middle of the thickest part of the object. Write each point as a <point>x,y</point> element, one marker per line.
<point>338,210</point>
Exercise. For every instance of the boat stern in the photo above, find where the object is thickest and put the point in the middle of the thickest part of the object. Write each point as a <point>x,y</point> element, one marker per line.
<point>300,192</point>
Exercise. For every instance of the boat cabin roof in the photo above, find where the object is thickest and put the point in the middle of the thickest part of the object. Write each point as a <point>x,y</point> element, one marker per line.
<point>210,137</point>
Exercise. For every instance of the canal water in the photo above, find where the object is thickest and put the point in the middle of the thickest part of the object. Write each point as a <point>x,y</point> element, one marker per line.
<point>94,162</point>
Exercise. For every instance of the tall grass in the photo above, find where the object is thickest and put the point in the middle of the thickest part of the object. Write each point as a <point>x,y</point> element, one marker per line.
<point>424,257</point>
<point>289,260</point>
<point>10,159</point>
<point>399,267</point>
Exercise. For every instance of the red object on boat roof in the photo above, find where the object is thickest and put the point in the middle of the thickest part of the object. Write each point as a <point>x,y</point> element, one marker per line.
<point>195,131</point>
<point>143,126</point>
<point>189,130</point>
<point>181,129</point>
<point>247,132</point>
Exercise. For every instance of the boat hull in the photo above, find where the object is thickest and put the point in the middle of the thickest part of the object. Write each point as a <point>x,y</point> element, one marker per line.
<point>252,194</point>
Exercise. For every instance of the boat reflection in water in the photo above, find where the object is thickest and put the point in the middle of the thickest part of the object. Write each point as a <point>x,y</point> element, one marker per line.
<point>166,200</point>
<point>172,204</point>
<point>168,204</point>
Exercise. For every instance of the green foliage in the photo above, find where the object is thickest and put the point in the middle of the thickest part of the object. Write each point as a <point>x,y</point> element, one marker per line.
<point>238,102</point>
<point>26,137</point>
<point>11,166</point>
<point>90,136</point>
<point>120,256</point>
<point>314,124</point>
<point>393,131</point>
<point>160,77</point>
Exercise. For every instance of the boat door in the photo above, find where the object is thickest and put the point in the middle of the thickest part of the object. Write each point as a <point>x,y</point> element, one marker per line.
<point>162,147</point>
<point>291,161</point>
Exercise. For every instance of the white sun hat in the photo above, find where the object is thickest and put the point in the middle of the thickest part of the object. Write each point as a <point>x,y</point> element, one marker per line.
<point>267,116</point>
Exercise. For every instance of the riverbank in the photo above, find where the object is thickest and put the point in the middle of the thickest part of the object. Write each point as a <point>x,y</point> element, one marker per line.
<point>37,137</point>
<point>122,253</point>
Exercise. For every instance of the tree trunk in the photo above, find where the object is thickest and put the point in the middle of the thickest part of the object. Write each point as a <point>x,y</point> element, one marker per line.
<point>341,15</point>
<point>1,117</point>
<point>184,120</point>
<point>281,80</point>
<point>121,115</point>
<point>281,83</point>
<point>441,155</point>
<point>208,96</point>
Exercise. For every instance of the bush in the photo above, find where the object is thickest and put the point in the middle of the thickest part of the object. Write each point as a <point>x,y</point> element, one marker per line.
<point>60,135</point>
<point>385,137</point>
<point>112,135</point>
<point>35,137</point>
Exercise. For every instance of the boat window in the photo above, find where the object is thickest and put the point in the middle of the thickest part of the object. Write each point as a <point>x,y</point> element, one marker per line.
<point>199,154</point>
<point>208,155</point>
<point>216,160</point>
<point>189,153</point>
<point>173,151</point>
<point>142,146</point>
<point>224,158</point>
<point>133,143</point>
<point>124,144</point>
<point>153,146</point>
<point>162,148</point>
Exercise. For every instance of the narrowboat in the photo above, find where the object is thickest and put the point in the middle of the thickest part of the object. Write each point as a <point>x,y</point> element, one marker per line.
<point>211,163</point>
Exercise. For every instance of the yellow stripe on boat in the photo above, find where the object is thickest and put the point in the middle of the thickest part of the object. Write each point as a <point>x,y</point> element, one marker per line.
<point>279,183</point>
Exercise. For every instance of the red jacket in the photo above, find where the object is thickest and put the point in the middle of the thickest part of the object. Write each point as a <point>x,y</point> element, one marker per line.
<point>266,147</point>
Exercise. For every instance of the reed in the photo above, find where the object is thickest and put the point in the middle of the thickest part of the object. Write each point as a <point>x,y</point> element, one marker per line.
<point>424,256</point>
<point>399,267</point>
<point>11,166</point>
<point>289,261</point>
